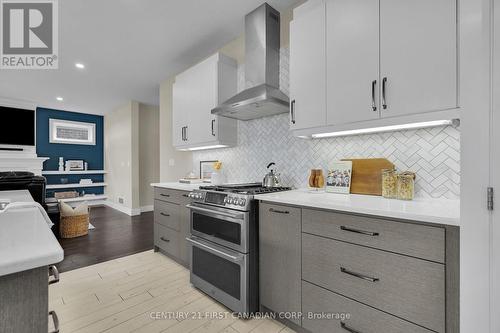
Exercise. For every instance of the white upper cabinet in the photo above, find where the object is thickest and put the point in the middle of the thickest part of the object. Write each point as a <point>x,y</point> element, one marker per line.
<point>308,66</point>
<point>352,53</point>
<point>196,92</point>
<point>370,63</point>
<point>418,55</point>
<point>179,102</point>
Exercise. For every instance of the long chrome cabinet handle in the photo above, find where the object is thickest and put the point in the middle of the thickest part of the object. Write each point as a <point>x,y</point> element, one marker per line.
<point>55,319</point>
<point>384,102</point>
<point>182,133</point>
<point>53,271</point>
<point>215,251</point>
<point>358,275</point>
<point>272,210</point>
<point>292,111</point>
<point>213,124</point>
<point>347,328</point>
<point>358,231</point>
<point>186,133</point>
<point>205,210</point>
<point>374,104</point>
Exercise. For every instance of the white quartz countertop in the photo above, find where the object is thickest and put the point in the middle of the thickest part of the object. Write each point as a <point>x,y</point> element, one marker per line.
<point>179,186</point>
<point>440,211</point>
<point>26,241</point>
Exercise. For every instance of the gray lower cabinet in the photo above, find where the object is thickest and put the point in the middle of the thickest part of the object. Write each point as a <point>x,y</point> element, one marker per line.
<point>358,274</point>
<point>406,287</point>
<point>24,302</point>
<point>171,223</point>
<point>414,240</point>
<point>327,312</point>
<point>279,258</point>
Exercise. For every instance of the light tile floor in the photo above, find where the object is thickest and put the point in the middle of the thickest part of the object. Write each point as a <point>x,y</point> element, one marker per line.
<point>139,293</point>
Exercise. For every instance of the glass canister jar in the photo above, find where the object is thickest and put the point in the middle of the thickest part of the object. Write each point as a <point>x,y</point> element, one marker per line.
<point>406,186</point>
<point>389,183</point>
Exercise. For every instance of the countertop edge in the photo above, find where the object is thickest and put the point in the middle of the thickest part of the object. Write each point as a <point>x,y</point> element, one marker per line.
<point>440,220</point>
<point>46,260</point>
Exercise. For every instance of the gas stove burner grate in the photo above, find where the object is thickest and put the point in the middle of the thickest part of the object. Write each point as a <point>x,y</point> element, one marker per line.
<point>250,188</point>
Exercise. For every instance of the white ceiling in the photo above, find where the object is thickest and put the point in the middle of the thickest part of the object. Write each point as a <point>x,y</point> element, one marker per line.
<point>128,47</point>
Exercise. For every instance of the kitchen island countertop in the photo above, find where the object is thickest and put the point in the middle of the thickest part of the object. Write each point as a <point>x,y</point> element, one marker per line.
<point>439,211</point>
<point>26,240</point>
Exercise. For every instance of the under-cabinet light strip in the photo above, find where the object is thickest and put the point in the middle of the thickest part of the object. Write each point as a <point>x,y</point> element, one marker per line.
<point>390,128</point>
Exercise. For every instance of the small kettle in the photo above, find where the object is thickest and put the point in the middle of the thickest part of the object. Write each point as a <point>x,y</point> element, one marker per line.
<point>271,179</point>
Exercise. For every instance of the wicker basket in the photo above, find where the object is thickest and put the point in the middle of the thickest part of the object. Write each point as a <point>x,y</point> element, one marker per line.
<point>74,226</point>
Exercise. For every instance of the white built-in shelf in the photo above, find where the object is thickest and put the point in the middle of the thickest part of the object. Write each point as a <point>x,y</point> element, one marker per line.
<point>85,198</point>
<point>83,172</point>
<point>59,186</point>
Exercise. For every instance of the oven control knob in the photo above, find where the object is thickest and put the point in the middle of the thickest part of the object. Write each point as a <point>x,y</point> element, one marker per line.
<point>242,202</point>
<point>230,200</point>
<point>199,196</point>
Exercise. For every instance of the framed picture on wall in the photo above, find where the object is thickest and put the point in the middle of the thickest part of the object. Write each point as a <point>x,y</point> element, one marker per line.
<point>75,165</point>
<point>71,132</point>
<point>206,169</point>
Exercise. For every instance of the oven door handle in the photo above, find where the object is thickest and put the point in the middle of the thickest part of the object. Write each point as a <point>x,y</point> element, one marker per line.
<point>215,251</point>
<point>214,212</point>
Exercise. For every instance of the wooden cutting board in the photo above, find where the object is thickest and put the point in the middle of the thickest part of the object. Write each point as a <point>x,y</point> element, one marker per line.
<point>367,175</point>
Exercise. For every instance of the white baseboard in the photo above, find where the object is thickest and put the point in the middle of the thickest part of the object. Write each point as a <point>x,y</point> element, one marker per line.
<point>124,209</point>
<point>148,208</point>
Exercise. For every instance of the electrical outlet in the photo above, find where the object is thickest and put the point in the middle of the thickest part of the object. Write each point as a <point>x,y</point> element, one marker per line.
<point>120,200</point>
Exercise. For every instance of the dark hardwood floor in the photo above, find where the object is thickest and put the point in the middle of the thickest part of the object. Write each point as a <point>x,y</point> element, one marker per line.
<point>115,235</point>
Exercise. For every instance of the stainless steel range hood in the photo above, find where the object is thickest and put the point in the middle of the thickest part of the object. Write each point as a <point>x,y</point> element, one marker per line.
<point>262,57</point>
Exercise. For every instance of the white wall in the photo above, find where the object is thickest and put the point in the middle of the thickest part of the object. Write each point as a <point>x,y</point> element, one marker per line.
<point>131,151</point>
<point>120,156</point>
<point>149,152</point>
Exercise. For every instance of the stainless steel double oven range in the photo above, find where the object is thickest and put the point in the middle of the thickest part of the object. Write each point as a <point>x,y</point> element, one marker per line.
<point>224,243</point>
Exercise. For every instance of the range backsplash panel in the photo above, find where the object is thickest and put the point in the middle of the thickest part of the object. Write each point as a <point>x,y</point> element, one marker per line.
<point>433,153</point>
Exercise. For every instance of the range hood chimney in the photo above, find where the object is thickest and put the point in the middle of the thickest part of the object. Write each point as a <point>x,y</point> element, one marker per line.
<point>262,59</point>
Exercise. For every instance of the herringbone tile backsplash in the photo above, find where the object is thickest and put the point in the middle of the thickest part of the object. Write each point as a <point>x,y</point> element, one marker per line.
<point>433,153</point>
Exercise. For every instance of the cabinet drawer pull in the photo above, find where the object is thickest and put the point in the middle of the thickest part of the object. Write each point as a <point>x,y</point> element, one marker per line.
<point>292,111</point>
<point>384,102</point>
<point>357,231</point>
<point>213,123</point>
<point>185,196</point>
<point>55,320</point>
<point>347,328</point>
<point>374,104</point>
<point>165,195</point>
<point>165,239</point>
<point>272,210</point>
<point>358,275</point>
<point>53,271</point>
<point>164,214</point>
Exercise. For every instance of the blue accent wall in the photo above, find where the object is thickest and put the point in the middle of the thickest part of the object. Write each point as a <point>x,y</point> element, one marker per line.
<point>92,154</point>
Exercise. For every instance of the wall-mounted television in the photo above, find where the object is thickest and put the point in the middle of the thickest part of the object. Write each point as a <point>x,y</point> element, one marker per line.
<point>17,126</point>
